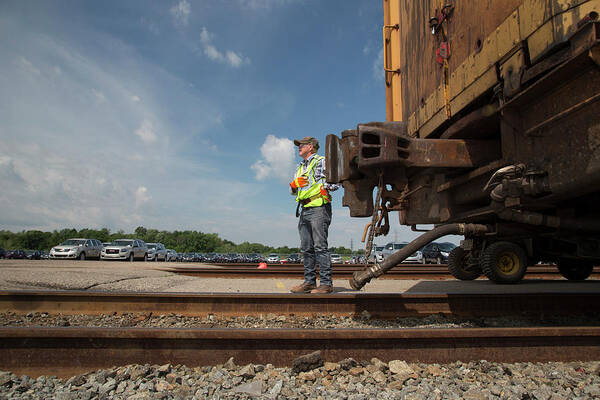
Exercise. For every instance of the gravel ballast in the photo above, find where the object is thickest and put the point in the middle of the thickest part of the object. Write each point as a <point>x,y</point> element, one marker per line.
<point>312,377</point>
<point>273,321</point>
<point>347,379</point>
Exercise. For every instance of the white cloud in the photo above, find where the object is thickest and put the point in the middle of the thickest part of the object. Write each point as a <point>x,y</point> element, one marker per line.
<point>72,163</point>
<point>141,196</point>
<point>265,4</point>
<point>99,96</point>
<point>234,59</point>
<point>181,12</point>
<point>27,65</point>
<point>150,25</point>
<point>378,72</point>
<point>228,57</point>
<point>146,132</point>
<point>277,159</point>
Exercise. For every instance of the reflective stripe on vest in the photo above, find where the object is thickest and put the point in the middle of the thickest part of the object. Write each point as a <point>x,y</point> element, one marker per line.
<point>312,189</point>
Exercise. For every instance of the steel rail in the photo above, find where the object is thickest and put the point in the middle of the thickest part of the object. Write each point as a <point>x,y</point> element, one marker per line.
<point>378,305</point>
<point>340,271</point>
<point>68,351</point>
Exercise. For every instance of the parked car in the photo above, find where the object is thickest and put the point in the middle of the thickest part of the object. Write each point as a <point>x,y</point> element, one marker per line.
<point>335,258</point>
<point>77,249</point>
<point>189,257</point>
<point>2,253</point>
<point>157,252</point>
<point>254,258</point>
<point>171,255</point>
<point>376,253</point>
<point>438,252</point>
<point>392,247</point>
<point>231,258</point>
<point>273,258</point>
<point>294,258</point>
<point>33,254</point>
<point>210,258</point>
<point>126,249</point>
<point>16,254</point>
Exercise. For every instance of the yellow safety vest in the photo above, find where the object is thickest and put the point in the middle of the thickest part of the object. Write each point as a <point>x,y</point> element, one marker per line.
<point>312,190</point>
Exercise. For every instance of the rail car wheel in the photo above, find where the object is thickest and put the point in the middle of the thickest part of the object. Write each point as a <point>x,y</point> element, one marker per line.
<point>462,266</point>
<point>504,262</point>
<point>575,270</point>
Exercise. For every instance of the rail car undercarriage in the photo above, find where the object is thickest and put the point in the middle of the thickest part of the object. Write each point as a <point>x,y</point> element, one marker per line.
<point>517,172</point>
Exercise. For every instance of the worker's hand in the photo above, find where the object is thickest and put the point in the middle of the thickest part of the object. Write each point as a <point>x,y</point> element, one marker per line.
<point>299,182</point>
<point>325,194</point>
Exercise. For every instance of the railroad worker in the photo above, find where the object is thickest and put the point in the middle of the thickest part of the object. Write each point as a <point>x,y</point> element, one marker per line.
<point>312,196</point>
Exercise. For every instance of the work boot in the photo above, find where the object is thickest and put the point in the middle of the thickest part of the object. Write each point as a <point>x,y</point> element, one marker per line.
<point>304,288</point>
<point>322,289</point>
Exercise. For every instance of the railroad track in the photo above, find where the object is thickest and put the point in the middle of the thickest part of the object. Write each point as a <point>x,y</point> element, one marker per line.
<point>341,271</point>
<point>378,305</point>
<point>73,350</point>
<point>69,351</point>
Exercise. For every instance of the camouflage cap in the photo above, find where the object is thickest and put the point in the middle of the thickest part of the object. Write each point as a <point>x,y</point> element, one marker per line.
<point>307,140</point>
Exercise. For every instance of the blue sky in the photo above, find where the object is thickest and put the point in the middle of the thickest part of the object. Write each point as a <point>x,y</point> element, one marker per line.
<point>179,114</point>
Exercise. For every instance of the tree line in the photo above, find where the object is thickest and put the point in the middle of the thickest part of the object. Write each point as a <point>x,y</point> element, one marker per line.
<point>180,241</point>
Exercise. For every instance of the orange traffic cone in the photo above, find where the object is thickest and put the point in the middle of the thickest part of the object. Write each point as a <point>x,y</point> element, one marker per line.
<point>262,265</point>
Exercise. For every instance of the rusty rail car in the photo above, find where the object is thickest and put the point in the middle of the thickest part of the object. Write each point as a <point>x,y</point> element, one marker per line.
<point>492,132</point>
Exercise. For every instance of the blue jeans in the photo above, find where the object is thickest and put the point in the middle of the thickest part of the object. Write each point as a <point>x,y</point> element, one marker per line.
<point>313,227</point>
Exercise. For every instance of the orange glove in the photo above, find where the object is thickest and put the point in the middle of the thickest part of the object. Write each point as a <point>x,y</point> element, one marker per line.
<point>299,182</point>
<point>325,194</point>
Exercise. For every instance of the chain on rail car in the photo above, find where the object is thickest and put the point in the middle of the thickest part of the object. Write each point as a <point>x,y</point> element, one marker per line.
<point>492,132</point>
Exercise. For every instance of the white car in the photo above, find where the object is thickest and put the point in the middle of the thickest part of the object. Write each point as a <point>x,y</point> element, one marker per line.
<point>126,249</point>
<point>156,252</point>
<point>273,259</point>
<point>77,249</point>
<point>391,248</point>
<point>415,258</point>
<point>376,254</point>
<point>335,258</point>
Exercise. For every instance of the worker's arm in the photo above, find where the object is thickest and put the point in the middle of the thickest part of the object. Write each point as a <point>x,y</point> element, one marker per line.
<point>320,177</point>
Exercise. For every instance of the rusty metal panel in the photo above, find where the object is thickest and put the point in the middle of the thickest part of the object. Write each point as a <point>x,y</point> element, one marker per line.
<point>485,82</point>
<point>412,124</point>
<point>507,35</point>
<point>453,153</point>
<point>481,85</point>
<point>563,5</point>
<point>533,21</point>
<point>566,23</point>
<point>458,80</point>
<point>472,20</point>
<point>532,14</point>
<point>561,19</point>
<point>540,40</point>
<point>511,72</point>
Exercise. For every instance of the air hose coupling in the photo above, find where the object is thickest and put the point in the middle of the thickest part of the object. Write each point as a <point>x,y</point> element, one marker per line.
<point>361,278</point>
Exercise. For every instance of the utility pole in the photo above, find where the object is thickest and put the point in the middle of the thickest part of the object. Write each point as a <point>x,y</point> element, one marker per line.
<point>351,246</point>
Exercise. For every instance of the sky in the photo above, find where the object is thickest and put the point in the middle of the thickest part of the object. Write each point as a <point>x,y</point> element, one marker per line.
<point>180,114</point>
